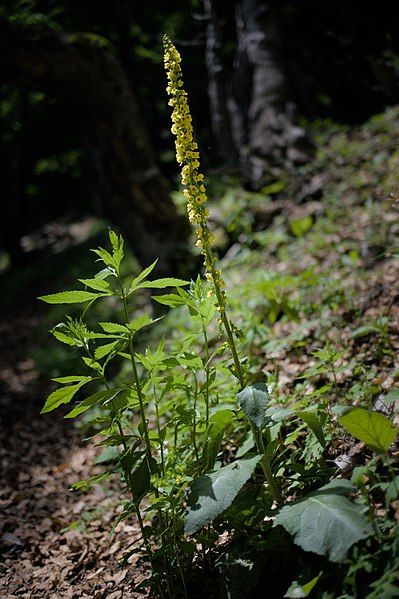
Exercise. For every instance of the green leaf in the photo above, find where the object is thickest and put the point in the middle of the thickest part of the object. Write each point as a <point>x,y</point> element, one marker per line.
<point>374,429</point>
<point>140,322</point>
<point>326,522</point>
<point>97,284</point>
<point>391,396</point>
<point>72,379</point>
<point>247,445</point>
<point>104,350</point>
<point>253,401</point>
<point>64,338</point>
<point>299,226</point>
<point>70,297</point>
<point>170,299</point>
<point>298,590</point>
<point>142,275</point>
<point>89,483</point>
<point>105,257</point>
<point>162,283</point>
<point>113,327</point>
<point>117,247</point>
<point>62,395</point>
<point>213,493</point>
<point>140,479</point>
<point>87,403</point>
<point>313,423</point>
<point>214,435</point>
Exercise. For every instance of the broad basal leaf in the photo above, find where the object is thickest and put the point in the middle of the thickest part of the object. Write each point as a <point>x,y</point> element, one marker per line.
<point>326,522</point>
<point>253,401</point>
<point>374,429</point>
<point>70,297</point>
<point>213,493</point>
<point>62,395</point>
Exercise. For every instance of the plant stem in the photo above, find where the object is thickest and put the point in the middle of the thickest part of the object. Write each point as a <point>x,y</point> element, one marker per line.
<point>127,473</point>
<point>273,487</point>
<point>137,385</point>
<point>206,373</point>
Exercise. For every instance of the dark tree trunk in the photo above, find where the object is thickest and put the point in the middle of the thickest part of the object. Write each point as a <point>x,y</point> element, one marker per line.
<point>272,137</point>
<point>83,70</point>
<point>217,84</point>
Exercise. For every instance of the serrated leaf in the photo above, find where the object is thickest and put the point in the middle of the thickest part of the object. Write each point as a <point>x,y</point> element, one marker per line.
<point>87,403</point>
<point>71,379</point>
<point>170,299</point>
<point>117,247</point>
<point>326,522</point>
<point>314,424</point>
<point>162,283</point>
<point>113,327</point>
<point>104,350</point>
<point>140,322</point>
<point>70,297</point>
<point>213,493</point>
<point>253,400</point>
<point>374,429</point>
<point>105,257</point>
<point>97,284</point>
<point>214,435</point>
<point>142,275</point>
<point>62,395</point>
<point>64,338</point>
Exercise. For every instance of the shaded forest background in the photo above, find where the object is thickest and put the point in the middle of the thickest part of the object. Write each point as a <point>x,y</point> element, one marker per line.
<point>84,120</point>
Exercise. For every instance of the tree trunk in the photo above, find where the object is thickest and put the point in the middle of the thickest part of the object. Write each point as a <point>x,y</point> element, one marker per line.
<point>83,70</point>
<point>217,84</point>
<point>273,138</point>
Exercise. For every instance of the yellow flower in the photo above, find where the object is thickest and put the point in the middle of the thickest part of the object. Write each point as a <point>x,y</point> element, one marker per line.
<point>187,156</point>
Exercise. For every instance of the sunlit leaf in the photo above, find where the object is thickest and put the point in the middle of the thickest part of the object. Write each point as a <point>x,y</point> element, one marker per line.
<point>374,429</point>
<point>213,493</point>
<point>70,297</point>
<point>326,522</point>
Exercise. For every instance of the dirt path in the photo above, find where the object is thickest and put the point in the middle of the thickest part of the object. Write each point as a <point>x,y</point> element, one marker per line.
<point>40,459</point>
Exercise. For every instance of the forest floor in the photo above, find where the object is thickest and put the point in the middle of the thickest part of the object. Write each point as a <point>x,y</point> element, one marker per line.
<point>54,543</point>
<point>58,543</point>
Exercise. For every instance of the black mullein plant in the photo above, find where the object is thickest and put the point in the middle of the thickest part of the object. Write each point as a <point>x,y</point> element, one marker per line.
<point>187,156</point>
<point>162,417</point>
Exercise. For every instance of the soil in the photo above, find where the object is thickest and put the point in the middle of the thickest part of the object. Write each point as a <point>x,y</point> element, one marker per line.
<point>40,458</point>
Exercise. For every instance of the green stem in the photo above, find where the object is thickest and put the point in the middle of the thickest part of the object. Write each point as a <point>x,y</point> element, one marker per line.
<point>152,466</point>
<point>195,417</point>
<point>273,487</point>
<point>267,471</point>
<point>206,373</point>
<point>137,385</point>
<point>127,473</point>
<point>225,320</point>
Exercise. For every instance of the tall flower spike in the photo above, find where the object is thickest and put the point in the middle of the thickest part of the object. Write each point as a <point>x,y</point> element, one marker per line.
<point>187,156</point>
